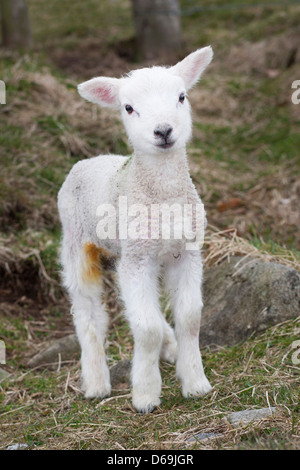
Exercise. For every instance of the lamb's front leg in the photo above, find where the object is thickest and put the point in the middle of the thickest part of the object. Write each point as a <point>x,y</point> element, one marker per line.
<point>184,278</point>
<point>138,282</point>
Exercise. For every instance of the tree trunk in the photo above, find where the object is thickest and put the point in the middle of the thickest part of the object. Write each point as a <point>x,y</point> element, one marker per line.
<point>158,28</point>
<point>15,24</point>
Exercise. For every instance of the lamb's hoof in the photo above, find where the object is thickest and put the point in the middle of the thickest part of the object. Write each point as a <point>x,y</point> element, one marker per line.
<point>196,389</point>
<point>145,404</point>
<point>100,391</point>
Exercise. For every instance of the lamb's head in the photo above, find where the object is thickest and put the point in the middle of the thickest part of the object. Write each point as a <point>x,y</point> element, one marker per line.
<point>153,102</point>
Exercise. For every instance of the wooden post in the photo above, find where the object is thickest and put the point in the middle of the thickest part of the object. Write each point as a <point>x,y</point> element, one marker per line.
<point>158,28</point>
<point>15,24</point>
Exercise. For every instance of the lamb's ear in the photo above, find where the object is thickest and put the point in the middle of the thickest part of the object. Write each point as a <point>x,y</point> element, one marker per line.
<point>101,90</point>
<point>190,69</point>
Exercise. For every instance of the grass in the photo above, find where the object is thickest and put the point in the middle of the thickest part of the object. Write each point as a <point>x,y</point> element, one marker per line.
<point>45,409</point>
<point>245,149</point>
<point>274,141</point>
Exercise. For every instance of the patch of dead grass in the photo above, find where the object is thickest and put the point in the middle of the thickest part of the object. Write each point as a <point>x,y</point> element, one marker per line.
<point>221,245</point>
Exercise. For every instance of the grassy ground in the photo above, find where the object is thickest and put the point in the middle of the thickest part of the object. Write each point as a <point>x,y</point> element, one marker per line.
<point>47,411</point>
<point>244,159</point>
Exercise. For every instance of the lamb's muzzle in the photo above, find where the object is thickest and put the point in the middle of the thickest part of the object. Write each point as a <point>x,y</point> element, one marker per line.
<point>163,134</point>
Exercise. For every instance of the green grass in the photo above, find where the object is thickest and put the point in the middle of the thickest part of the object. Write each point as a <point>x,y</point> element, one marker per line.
<point>241,147</point>
<point>235,21</point>
<point>81,21</point>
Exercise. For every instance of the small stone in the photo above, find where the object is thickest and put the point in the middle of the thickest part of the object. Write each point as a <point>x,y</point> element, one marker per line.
<point>241,418</point>
<point>202,436</point>
<point>17,447</point>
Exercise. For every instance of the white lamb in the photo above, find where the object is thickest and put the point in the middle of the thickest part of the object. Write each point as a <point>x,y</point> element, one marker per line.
<point>157,117</point>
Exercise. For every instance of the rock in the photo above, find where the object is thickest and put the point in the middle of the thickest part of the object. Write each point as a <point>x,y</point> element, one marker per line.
<point>17,447</point>
<point>120,374</point>
<point>4,375</point>
<point>202,436</point>
<point>246,295</point>
<point>67,348</point>
<point>241,418</point>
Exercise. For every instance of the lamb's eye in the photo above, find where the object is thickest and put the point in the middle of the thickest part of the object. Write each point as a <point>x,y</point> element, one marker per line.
<point>181,97</point>
<point>129,109</point>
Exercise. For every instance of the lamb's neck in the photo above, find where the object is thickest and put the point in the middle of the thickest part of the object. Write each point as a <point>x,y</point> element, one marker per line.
<point>163,176</point>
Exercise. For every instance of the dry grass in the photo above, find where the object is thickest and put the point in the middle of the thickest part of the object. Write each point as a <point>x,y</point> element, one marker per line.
<point>221,245</point>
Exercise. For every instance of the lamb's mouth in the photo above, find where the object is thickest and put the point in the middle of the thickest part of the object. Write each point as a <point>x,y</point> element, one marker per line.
<point>166,145</point>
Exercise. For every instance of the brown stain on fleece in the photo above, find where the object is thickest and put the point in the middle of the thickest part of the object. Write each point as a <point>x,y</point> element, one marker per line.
<point>92,268</point>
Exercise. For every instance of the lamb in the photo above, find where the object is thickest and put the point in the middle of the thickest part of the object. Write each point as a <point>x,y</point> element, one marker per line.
<point>157,117</point>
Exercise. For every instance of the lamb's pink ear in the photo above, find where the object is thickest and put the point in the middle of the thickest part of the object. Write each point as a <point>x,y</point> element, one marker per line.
<point>190,69</point>
<point>101,90</point>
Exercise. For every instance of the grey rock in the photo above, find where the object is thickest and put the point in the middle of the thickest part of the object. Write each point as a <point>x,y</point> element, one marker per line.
<point>64,349</point>
<point>120,373</point>
<point>17,447</point>
<point>242,418</point>
<point>202,436</point>
<point>244,296</point>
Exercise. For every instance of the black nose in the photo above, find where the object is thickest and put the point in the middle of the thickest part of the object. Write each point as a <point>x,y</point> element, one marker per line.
<point>164,131</point>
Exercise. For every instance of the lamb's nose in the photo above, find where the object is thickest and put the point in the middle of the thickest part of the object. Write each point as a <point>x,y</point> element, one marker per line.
<point>163,131</point>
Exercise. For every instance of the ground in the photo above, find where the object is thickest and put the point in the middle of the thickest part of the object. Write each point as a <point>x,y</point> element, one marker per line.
<point>244,160</point>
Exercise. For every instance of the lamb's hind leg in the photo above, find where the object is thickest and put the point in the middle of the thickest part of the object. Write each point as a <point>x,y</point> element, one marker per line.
<point>83,280</point>
<point>168,350</point>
